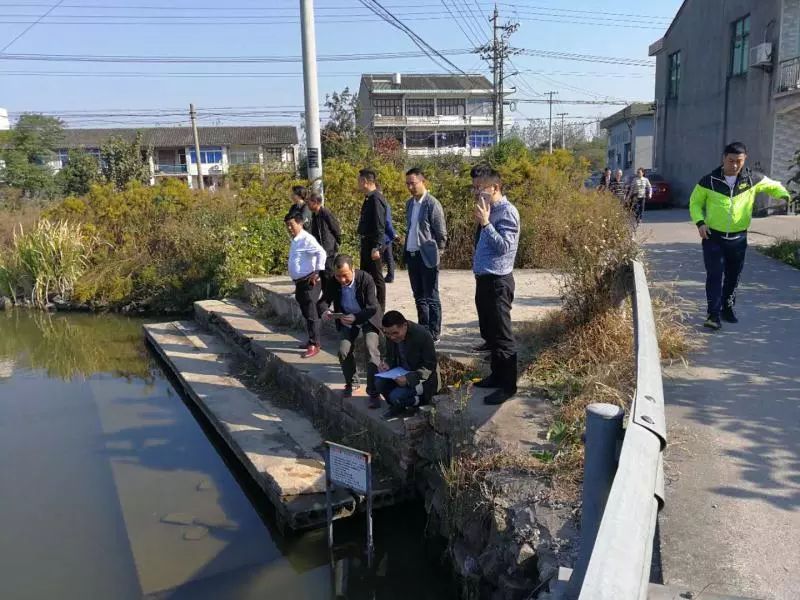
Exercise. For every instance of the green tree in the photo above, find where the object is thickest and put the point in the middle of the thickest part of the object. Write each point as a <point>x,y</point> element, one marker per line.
<point>31,148</point>
<point>341,136</point>
<point>123,162</point>
<point>78,175</point>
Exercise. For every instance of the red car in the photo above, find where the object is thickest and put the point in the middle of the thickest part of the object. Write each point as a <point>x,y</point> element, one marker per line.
<point>662,192</point>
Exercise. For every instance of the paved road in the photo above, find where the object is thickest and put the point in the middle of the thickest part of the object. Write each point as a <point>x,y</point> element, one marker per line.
<point>731,524</point>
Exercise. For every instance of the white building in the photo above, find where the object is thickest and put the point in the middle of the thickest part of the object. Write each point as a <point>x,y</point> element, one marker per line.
<point>5,125</point>
<point>172,151</point>
<point>630,138</point>
<point>428,114</point>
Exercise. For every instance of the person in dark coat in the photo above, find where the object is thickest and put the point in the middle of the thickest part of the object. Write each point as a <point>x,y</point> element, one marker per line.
<point>325,228</point>
<point>409,346</point>
<point>351,292</point>
<point>299,206</point>
<point>388,254</point>
<point>372,230</point>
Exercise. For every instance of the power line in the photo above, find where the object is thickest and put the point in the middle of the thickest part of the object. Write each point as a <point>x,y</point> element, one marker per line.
<point>470,39</point>
<point>32,25</point>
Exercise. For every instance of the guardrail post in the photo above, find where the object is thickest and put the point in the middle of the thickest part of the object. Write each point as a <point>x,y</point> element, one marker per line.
<point>603,432</point>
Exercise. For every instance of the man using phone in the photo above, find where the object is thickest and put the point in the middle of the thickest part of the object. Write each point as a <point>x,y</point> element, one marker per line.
<point>352,293</point>
<point>409,346</point>
<point>496,240</point>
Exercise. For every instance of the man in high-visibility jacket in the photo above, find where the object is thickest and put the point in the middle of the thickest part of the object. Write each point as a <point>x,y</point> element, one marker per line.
<point>721,206</point>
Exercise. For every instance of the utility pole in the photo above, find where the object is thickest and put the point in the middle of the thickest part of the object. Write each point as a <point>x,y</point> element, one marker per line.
<point>550,102</point>
<point>313,143</point>
<point>563,136</point>
<point>497,52</point>
<point>198,161</point>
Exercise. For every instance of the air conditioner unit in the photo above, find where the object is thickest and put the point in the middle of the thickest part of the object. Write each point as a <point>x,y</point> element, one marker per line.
<point>761,55</point>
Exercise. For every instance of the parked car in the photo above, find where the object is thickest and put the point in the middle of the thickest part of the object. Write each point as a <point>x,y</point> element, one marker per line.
<point>662,191</point>
<point>593,180</point>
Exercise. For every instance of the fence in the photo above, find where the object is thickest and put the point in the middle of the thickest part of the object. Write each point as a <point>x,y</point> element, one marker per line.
<point>789,75</point>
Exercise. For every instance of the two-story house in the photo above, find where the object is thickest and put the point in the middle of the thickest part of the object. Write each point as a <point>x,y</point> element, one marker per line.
<point>727,70</point>
<point>630,137</point>
<point>172,151</point>
<point>428,114</point>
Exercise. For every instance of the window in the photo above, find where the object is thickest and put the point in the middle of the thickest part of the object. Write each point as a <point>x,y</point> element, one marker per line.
<point>674,74</point>
<point>450,107</point>
<point>740,46</point>
<point>63,154</point>
<point>388,107</point>
<point>396,134</point>
<point>273,155</point>
<point>418,107</point>
<point>208,156</point>
<point>481,139</point>
<point>451,139</point>
<point>243,157</point>
<point>628,156</point>
<point>420,139</point>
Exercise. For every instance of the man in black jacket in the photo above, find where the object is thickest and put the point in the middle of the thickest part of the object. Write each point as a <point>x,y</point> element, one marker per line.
<point>372,229</point>
<point>352,293</point>
<point>409,346</point>
<point>325,228</point>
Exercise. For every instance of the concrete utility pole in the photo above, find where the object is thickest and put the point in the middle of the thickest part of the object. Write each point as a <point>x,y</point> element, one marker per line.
<point>313,142</point>
<point>563,136</point>
<point>497,96</point>
<point>497,52</point>
<point>550,102</point>
<point>199,162</point>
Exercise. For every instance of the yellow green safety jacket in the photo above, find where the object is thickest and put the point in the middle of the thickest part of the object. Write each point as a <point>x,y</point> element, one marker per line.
<point>728,210</point>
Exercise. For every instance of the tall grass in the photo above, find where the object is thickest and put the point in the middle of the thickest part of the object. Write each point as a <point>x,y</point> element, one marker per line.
<point>44,262</point>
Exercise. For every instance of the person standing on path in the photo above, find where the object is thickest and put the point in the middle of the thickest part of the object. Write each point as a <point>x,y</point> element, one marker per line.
<point>721,206</point>
<point>496,240</point>
<point>372,230</point>
<point>426,238</point>
<point>640,192</point>
<point>605,180</point>
<point>352,293</point>
<point>306,261</point>
<point>325,229</point>
<point>617,186</point>
<point>388,254</point>
<point>299,206</point>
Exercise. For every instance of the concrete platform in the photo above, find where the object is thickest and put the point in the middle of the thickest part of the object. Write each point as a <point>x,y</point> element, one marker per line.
<point>536,294</point>
<point>280,449</point>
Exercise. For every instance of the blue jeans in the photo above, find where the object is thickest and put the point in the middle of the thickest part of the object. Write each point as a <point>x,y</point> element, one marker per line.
<point>724,260</point>
<point>396,395</point>
<point>425,286</point>
<point>388,259</point>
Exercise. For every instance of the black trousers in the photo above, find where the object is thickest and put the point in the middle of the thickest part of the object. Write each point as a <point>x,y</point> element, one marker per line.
<point>494,295</point>
<point>724,261</point>
<point>307,296</point>
<point>375,269</point>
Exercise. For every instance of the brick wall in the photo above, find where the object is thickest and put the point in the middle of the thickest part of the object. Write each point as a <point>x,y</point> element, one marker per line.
<point>790,30</point>
<point>787,142</point>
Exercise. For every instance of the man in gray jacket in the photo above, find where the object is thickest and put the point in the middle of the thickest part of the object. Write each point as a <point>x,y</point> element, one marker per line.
<point>426,237</point>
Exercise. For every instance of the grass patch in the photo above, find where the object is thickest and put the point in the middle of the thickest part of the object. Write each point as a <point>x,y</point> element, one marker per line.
<point>787,251</point>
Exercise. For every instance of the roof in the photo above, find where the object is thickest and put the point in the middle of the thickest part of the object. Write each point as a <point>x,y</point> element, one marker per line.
<point>658,45</point>
<point>377,82</point>
<point>176,137</point>
<point>632,111</point>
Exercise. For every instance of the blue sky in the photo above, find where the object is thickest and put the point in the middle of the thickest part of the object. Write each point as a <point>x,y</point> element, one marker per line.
<point>194,28</point>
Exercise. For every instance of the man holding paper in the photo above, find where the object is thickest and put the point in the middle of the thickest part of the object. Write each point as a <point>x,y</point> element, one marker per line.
<point>410,375</point>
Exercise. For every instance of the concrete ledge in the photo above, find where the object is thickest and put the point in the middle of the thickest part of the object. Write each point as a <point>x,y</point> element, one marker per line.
<point>280,449</point>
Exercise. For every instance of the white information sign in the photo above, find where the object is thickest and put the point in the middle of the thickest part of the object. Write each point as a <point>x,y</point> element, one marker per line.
<point>348,467</point>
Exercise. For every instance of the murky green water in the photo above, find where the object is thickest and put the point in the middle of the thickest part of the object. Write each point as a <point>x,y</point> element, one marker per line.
<point>110,489</point>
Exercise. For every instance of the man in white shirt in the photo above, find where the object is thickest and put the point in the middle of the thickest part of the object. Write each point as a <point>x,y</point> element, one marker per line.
<point>306,261</point>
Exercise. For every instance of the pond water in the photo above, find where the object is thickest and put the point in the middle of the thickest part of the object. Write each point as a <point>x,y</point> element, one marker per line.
<point>111,488</point>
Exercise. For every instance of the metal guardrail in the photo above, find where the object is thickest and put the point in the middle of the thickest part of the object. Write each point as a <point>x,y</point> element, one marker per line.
<point>789,75</point>
<point>619,564</point>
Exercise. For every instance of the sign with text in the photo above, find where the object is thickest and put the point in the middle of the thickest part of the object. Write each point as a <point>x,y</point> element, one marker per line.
<point>348,467</point>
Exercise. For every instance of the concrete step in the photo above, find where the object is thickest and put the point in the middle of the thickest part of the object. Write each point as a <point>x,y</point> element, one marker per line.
<point>315,385</point>
<point>280,448</point>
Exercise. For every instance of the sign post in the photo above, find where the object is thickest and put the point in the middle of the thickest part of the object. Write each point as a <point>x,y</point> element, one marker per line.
<point>350,468</point>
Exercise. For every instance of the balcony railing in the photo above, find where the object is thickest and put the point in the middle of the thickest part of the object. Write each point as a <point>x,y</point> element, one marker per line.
<point>433,121</point>
<point>789,75</point>
<point>170,169</point>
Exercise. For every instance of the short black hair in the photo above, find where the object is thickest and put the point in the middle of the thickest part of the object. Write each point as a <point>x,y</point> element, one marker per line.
<point>314,197</point>
<point>342,260</point>
<point>393,318</point>
<point>300,190</point>
<point>735,148</point>
<point>369,175</point>
<point>486,173</point>
<point>415,171</point>
<point>293,216</point>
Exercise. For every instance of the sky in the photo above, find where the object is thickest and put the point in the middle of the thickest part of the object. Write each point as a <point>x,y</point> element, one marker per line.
<point>111,94</point>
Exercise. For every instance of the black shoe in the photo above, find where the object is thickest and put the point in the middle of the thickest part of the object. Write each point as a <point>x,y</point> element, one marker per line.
<point>712,322</point>
<point>389,279</point>
<point>728,315</point>
<point>499,396</point>
<point>393,412</point>
<point>484,347</point>
<point>348,389</point>
<point>486,382</point>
